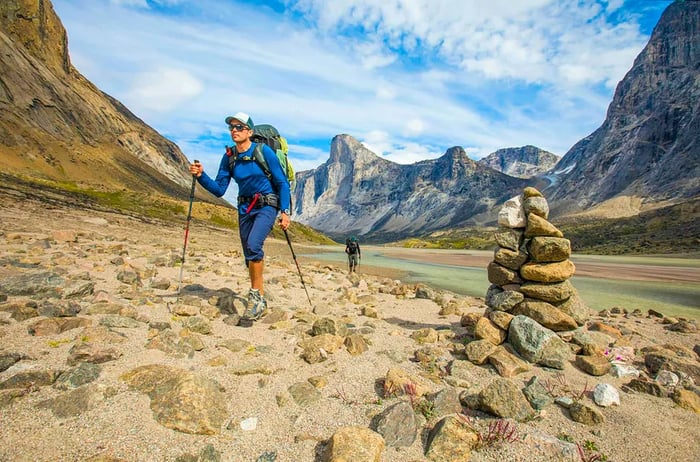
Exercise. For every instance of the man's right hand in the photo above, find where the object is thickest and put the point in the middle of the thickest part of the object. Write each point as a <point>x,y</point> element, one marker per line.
<point>196,169</point>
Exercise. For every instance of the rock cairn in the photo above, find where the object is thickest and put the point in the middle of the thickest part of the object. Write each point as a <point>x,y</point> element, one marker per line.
<point>530,298</point>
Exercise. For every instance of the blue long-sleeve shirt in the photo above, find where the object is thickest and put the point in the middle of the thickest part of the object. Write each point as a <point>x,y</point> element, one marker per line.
<point>250,177</point>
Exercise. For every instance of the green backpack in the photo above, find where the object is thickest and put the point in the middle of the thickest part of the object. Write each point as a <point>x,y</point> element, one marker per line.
<point>267,134</point>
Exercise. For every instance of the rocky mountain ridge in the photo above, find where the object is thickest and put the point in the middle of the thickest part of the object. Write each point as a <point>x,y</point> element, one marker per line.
<point>358,192</point>
<point>523,162</point>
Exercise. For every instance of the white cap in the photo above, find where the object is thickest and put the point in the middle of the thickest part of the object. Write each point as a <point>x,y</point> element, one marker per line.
<point>242,117</point>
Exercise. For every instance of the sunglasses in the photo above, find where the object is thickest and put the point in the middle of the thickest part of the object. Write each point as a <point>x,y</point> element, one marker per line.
<point>238,127</point>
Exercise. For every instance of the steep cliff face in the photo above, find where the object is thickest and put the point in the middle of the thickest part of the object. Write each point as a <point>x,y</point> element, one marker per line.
<point>522,162</point>
<point>55,124</point>
<point>649,144</point>
<point>357,192</point>
<point>34,25</point>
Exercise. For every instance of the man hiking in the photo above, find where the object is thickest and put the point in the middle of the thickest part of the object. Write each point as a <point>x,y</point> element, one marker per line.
<point>352,248</point>
<point>260,199</point>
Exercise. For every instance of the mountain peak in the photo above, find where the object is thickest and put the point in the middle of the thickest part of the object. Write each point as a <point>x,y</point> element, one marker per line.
<point>647,146</point>
<point>346,149</point>
<point>457,153</point>
<point>35,25</point>
<point>523,162</point>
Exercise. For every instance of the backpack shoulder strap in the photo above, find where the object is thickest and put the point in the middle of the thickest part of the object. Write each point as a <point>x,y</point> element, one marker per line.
<point>232,154</point>
<point>260,159</point>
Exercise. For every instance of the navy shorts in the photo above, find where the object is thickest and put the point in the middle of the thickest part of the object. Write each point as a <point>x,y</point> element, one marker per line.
<point>254,228</point>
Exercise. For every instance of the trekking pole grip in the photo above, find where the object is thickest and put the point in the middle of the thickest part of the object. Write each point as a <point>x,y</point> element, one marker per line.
<point>193,175</point>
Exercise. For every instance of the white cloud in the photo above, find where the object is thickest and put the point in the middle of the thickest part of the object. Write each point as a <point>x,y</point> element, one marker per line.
<point>305,157</point>
<point>381,143</point>
<point>386,91</point>
<point>410,153</point>
<point>414,127</point>
<point>162,89</point>
<point>372,56</point>
<point>377,141</point>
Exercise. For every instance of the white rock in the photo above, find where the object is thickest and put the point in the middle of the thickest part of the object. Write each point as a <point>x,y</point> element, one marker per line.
<point>623,370</point>
<point>249,424</point>
<point>606,395</point>
<point>667,379</point>
<point>512,214</point>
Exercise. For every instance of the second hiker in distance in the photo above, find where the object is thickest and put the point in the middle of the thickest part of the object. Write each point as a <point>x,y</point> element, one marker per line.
<point>261,196</point>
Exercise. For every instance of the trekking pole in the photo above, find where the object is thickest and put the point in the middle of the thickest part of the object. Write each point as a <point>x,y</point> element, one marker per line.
<point>298,269</point>
<point>187,232</point>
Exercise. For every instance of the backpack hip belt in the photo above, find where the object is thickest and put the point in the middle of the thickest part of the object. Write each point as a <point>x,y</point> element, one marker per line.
<point>272,200</point>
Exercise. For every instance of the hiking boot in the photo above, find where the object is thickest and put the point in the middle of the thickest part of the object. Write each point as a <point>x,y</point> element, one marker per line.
<point>256,305</point>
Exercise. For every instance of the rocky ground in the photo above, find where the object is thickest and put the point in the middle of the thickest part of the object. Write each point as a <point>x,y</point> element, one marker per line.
<point>100,360</point>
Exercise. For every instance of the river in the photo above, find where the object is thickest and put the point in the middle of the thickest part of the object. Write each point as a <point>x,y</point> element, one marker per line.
<point>667,284</point>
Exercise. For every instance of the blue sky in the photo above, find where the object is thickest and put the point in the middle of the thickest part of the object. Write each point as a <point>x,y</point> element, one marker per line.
<point>408,78</point>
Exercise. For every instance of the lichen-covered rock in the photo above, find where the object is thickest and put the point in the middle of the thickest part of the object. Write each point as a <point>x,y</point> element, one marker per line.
<point>545,314</point>
<point>537,205</point>
<point>538,226</point>
<point>549,249</point>
<point>509,238</point>
<point>357,444</point>
<point>548,272</point>
<point>549,292</point>
<point>500,275</point>
<point>511,259</point>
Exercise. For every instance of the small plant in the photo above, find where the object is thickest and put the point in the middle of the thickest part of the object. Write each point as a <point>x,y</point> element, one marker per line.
<point>58,343</point>
<point>387,390</point>
<point>425,407</point>
<point>499,432</point>
<point>340,394</point>
<point>587,454</point>
<point>619,355</point>
<point>560,386</point>
<point>579,396</point>
<point>589,445</point>
<point>565,437</point>
<point>411,391</point>
<point>467,419</point>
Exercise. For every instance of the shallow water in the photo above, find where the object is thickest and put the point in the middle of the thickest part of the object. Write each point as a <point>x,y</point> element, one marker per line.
<point>671,298</point>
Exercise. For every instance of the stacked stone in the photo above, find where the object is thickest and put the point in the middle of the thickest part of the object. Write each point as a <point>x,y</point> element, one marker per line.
<point>529,278</point>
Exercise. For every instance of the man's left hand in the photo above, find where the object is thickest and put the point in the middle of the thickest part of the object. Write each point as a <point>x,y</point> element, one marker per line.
<point>285,221</point>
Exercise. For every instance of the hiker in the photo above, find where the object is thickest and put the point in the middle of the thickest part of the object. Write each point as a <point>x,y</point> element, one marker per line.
<point>352,248</point>
<point>259,201</point>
